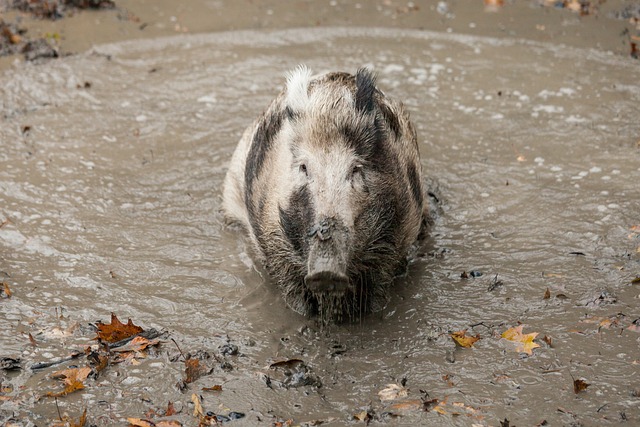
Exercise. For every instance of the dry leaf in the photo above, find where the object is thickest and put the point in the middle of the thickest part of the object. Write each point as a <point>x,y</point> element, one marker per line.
<point>168,423</point>
<point>547,294</point>
<point>7,291</point>
<point>579,385</point>
<point>463,340</point>
<point>197,410</point>
<point>524,341</point>
<point>392,392</point>
<point>137,344</point>
<point>171,410</point>
<point>117,331</point>
<point>216,387</point>
<point>408,405</point>
<point>195,370</point>
<point>137,422</point>
<point>362,416</point>
<point>73,380</point>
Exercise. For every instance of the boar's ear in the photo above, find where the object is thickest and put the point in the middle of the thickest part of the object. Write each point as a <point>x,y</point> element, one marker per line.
<point>365,90</point>
<point>297,95</point>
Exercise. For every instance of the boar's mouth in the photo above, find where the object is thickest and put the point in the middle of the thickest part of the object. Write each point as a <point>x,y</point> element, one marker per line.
<point>327,259</point>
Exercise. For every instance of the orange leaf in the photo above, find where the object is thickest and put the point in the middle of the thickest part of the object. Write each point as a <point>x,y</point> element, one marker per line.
<point>82,421</point>
<point>463,340</point>
<point>117,331</point>
<point>6,289</point>
<point>137,422</point>
<point>73,380</point>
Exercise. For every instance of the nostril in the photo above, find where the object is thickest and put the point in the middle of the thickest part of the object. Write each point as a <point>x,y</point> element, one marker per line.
<point>327,281</point>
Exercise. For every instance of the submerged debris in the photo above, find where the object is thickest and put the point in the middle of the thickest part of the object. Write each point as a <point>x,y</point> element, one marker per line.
<point>56,9</point>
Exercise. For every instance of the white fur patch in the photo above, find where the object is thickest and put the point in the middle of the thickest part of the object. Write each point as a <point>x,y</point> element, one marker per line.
<point>297,85</point>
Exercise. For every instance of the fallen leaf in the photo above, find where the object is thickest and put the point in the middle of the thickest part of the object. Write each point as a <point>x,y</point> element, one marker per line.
<point>362,416</point>
<point>171,410</point>
<point>117,331</point>
<point>579,385</point>
<point>195,370</point>
<point>634,326</point>
<point>463,340</point>
<point>137,345</point>
<point>392,392</point>
<point>73,380</point>
<point>216,387</point>
<point>197,410</point>
<point>408,405</point>
<point>524,341</point>
<point>168,423</point>
<point>137,422</point>
<point>82,421</point>
<point>547,294</point>
<point>6,290</point>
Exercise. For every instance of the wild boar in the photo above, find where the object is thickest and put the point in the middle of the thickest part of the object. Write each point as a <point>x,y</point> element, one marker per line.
<point>328,184</point>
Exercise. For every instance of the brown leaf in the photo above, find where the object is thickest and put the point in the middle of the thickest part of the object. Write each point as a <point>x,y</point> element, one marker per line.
<point>168,423</point>
<point>195,370</point>
<point>7,291</point>
<point>171,410</point>
<point>216,387</point>
<point>463,340</point>
<point>73,380</point>
<point>32,340</point>
<point>547,294</point>
<point>579,385</point>
<point>117,331</point>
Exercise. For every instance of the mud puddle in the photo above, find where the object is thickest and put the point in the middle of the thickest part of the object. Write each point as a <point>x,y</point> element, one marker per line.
<point>110,177</point>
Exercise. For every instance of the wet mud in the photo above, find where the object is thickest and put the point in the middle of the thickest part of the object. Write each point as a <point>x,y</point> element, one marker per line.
<point>110,177</point>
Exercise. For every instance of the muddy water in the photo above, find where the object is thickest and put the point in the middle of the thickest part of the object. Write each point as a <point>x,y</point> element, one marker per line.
<point>110,176</point>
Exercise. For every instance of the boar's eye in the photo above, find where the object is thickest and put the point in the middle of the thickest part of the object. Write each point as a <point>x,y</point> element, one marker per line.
<point>303,169</point>
<point>357,176</point>
<point>357,170</point>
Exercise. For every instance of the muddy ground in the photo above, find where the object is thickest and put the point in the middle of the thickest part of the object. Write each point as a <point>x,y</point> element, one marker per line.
<point>112,158</point>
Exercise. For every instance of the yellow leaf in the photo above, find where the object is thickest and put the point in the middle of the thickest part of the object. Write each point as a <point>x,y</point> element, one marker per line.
<point>463,340</point>
<point>524,341</point>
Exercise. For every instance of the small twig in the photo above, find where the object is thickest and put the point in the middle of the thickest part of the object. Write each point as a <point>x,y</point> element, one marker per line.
<point>179,349</point>
<point>58,408</point>
<point>44,365</point>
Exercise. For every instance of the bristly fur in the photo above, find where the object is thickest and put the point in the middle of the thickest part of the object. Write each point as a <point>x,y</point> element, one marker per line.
<point>335,147</point>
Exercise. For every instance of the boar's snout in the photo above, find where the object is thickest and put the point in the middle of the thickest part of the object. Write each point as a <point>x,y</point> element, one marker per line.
<point>327,262</point>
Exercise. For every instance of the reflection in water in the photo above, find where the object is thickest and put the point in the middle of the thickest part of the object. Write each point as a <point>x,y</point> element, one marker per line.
<point>112,191</point>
